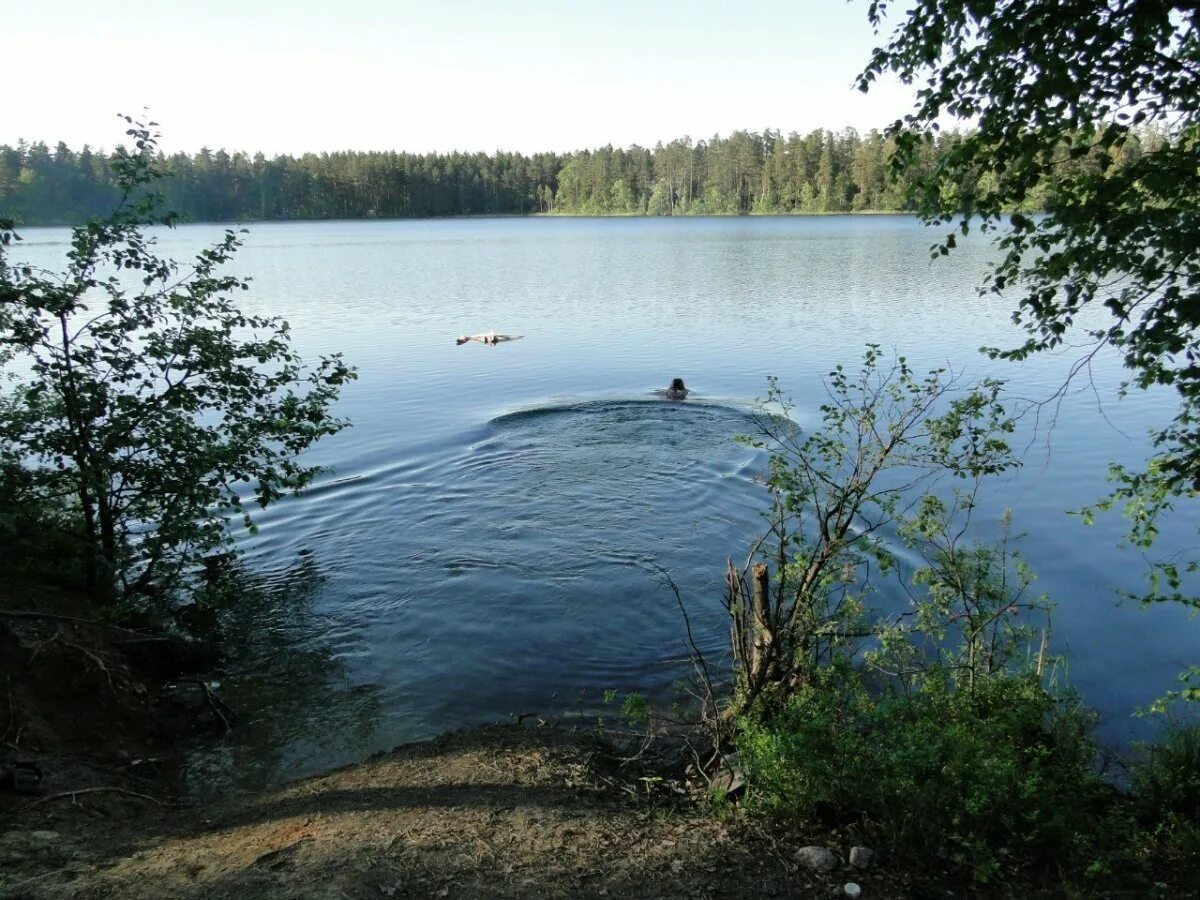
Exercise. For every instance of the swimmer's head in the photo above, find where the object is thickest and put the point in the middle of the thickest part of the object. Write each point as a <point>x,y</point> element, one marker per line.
<point>462,340</point>
<point>677,384</point>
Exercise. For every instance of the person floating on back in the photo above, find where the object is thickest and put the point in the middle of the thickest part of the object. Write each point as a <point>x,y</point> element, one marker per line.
<point>489,337</point>
<point>675,391</point>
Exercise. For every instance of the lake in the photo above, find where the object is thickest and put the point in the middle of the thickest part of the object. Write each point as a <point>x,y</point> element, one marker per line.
<point>493,536</point>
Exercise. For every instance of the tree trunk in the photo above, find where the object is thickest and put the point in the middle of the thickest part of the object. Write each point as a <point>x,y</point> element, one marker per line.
<point>760,622</point>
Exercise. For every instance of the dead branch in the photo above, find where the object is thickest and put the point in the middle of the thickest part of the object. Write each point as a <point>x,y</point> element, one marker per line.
<point>12,716</point>
<point>700,767</point>
<point>55,617</point>
<point>697,656</point>
<point>43,645</point>
<point>96,660</point>
<point>615,785</point>
<point>219,708</point>
<point>648,739</point>
<point>79,792</point>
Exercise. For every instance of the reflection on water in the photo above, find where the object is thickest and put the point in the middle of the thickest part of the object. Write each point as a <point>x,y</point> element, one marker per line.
<point>296,711</point>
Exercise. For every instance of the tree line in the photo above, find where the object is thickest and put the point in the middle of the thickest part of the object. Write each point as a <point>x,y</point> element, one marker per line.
<point>745,173</point>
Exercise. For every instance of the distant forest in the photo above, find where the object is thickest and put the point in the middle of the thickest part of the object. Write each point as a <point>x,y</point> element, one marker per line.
<point>746,172</point>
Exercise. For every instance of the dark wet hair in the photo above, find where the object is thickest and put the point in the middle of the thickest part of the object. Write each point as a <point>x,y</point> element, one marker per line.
<point>677,384</point>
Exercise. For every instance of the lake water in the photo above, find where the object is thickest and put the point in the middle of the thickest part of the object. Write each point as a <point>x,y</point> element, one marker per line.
<point>493,537</point>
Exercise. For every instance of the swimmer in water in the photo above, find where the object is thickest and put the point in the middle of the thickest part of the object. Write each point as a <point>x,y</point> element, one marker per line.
<point>490,338</point>
<point>676,390</point>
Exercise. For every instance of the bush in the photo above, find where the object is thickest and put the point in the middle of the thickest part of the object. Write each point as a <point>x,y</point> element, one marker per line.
<point>969,778</point>
<point>932,733</point>
<point>145,405</point>
<point>1166,786</point>
<point>36,533</point>
<point>886,438</point>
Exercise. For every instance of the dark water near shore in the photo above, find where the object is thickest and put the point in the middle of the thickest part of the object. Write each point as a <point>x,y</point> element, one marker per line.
<point>494,536</point>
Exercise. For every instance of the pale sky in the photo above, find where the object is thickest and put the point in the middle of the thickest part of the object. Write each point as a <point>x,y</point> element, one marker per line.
<point>288,76</point>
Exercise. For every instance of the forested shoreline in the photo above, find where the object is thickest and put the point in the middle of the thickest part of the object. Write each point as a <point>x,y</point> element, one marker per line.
<point>745,173</point>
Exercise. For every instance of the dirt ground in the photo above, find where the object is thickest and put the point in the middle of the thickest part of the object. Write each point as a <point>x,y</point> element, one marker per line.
<point>503,811</point>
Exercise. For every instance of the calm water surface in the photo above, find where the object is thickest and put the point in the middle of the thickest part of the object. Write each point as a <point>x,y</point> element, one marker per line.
<point>493,537</point>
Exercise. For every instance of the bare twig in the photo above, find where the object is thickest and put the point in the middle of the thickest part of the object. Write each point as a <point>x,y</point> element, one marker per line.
<point>78,792</point>
<point>697,656</point>
<point>216,704</point>
<point>96,660</point>
<point>43,645</point>
<point>12,715</point>
<point>700,767</point>
<point>648,739</point>
<point>55,617</point>
<point>614,784</point>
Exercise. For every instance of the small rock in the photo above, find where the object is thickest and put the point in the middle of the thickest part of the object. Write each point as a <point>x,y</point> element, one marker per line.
<point>731,778</point>
<point>818,859</point>
<point>852,890</point>
<point>862,857</point>
<point>727,783</point>
<point>676,866</point>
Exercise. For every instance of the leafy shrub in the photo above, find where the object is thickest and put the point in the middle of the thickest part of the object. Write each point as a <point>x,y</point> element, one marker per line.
<point>146,399</point>
<point>37,534</point>
<point>971,777</point>
<point>1166,786</point>
<point>932,733</point>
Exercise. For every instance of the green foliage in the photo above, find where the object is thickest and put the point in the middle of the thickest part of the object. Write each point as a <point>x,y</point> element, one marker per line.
<point>634,708</point>
<point>146,397</point>
<point>887,437</point>
<point>743,172</point>
<point>964,779</point>
<point>992,785</point>
<point>1101,100</point>
<point>969,610</point>
<point>940,739</point>
<point>36,532</point>
<point>936,734</point>
<point>1189,689</point>
<point>945,744</point>
<point>1166,784</point>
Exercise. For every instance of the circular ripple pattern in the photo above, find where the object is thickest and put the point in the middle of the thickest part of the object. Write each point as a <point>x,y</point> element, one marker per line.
<point>519,568</point>
<point>534,562</point>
